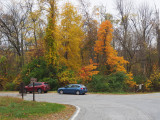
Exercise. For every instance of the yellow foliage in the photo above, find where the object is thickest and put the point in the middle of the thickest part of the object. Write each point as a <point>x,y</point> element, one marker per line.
<point>71,37</point>
<point>67,77</point>
<point>130,81</point>
<point>154,80</point>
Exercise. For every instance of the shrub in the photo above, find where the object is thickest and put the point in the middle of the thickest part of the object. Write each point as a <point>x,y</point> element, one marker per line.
<point>53,82</point>
<point>140,79</point>
<point>67,77</point>
<point>99,83</point>
<point>154,81</point>
<point>109,83</point>
<point>37,68</point>
<point>117,82</point>
<point>10,86</point>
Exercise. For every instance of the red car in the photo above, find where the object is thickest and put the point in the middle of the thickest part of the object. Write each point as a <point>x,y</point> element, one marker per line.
<point>38,87</point>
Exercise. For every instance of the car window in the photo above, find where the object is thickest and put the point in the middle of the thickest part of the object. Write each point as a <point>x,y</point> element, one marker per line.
<point>68,86</point>
<point>37,84</point>
<point>77,86</point>
<point>82,86</point>
<point>46,84</point>
<point>30,85</point>
<point>73,86</point>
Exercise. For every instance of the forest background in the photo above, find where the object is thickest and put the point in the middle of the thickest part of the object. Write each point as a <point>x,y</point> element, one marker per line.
<point>62,45</point>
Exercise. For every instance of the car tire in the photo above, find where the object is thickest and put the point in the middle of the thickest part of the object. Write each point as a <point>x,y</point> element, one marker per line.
<point>77,93</point>
<point>39,91</point>
<point>61,92</point>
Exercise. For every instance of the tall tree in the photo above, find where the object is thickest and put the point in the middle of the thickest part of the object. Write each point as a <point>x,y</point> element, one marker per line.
<point>108,59</point>
<point>143,26</point>
<point>50,37</point>
<point>13,27</point>
<point>72,35</point>
<point>90,30</point>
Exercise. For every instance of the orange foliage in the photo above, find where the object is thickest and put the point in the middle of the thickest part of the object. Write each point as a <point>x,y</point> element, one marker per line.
<point>87,72</point>
<point>103,47</point>
<point>103,44</point>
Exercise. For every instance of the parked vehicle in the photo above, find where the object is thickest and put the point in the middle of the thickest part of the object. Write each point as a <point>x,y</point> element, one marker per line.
<point>38,87</point>
<point>73,89</point>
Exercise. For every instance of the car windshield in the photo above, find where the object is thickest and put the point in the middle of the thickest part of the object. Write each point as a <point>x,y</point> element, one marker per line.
<point>83,86</point>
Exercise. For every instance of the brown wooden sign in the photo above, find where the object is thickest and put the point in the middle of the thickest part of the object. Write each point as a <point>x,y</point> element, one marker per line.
<point>33,80</point>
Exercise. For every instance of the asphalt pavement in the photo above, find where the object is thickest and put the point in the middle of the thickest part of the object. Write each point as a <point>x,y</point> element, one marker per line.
<point>105,107</point>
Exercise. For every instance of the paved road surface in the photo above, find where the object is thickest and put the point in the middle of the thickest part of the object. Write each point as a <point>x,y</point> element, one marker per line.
<point>107,107</point>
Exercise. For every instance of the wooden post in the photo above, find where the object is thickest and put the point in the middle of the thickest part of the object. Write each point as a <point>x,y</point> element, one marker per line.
<point>21,91</point>
<point>33,92</point>
<point>135,88</point>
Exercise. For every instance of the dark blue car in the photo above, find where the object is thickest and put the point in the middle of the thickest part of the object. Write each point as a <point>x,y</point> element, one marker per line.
<point>73,89</point>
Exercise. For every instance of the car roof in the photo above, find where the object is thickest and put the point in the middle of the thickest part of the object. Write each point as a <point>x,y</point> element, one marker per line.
<point>75,84</point>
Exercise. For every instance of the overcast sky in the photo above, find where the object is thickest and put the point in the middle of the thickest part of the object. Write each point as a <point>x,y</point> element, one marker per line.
<point>110,5</point>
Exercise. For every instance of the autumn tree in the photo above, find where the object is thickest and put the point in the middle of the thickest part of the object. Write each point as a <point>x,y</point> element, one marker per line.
<point>88,71</point>
<point>71,37</point>
<point>108,59</point>
<point>50,37</point>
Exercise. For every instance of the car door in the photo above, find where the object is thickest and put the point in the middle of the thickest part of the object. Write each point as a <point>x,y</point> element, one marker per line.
<point>67,89</point>
<point>30,87</point>
<point>36,86</point>
<point>73,89</point>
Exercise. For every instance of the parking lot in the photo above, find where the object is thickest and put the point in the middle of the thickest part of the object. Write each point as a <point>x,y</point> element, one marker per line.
<point>106,107</point>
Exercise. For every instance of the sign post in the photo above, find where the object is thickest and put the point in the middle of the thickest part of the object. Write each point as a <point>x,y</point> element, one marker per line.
<point>33,80</point>
<point>22,90</point>
<point>33,92</point>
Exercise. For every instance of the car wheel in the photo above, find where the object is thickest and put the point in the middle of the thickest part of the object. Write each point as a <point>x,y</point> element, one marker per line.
<point>77,92</point>
<point>61,91</point>
<point>39,91</point>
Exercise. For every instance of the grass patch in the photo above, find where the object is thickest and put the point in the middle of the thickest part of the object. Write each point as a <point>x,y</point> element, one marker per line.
<point>15,108</point>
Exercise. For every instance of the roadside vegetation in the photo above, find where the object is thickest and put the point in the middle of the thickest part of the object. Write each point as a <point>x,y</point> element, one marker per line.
<point>62,45</point>
<point>15,108</point>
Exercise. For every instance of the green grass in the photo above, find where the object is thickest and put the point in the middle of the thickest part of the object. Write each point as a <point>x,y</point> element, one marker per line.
<point>13,108</point>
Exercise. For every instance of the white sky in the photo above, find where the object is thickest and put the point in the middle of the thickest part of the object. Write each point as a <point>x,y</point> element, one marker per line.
<point>111,6</point>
